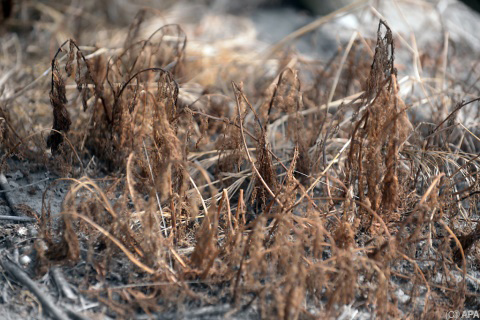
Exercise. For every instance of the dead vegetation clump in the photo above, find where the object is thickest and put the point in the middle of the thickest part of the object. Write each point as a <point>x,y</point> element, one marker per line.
<point>280,208</point>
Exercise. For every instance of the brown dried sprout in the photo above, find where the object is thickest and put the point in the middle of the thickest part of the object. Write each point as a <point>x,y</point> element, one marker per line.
<point>381,131</point>
<point>58,98</point>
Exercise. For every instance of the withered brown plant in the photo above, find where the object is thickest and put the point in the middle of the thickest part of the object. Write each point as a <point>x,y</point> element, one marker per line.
<point>380,132</point>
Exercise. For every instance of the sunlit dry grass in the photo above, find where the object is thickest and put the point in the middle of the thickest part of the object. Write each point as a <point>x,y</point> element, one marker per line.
<point>255,190</point>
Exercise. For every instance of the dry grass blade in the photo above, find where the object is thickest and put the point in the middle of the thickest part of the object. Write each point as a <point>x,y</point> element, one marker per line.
<point>315,24</point>
<point>130,256</point>
<point>239,95</point>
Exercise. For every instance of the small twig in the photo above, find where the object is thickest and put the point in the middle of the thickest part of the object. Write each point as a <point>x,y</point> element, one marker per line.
<point>62,284</point>
<point>25,186</point>
<point>6,194</point>
<point>17,218</point>
<point>45,299</point>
